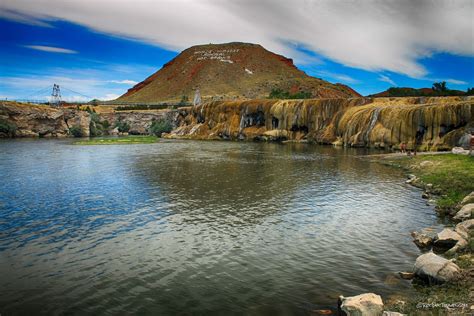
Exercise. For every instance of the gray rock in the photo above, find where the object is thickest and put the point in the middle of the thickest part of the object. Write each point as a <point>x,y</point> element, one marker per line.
<point>459,151</point>
<point>465,212</point>
<point>465,228</point>
<point>447,238</point>
<point>422,240</point>
<point>367,304</point>
<point>435,268</point>
<point>468,199</point>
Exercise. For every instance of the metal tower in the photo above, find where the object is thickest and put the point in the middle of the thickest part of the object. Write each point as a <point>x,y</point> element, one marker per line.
<point>56,95</point>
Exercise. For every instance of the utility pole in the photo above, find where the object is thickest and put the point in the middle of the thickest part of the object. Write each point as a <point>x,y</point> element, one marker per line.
<point>56,96</point>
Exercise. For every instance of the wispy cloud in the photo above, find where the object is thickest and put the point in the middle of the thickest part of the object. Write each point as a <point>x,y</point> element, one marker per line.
<point>340,77</point>
<point>128,82</point>
<point>387,79</point>
<point>447,80</point>
<point>51,49</point>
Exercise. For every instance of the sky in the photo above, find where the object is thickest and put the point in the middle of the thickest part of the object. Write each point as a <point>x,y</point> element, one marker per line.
<point>101,48</point>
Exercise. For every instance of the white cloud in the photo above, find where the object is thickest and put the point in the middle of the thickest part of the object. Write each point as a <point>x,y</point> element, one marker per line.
<point>51,49</point>
<point>337,76</point>
<point>128,82</point>
<point>373,35</point>
<point>453,81</point>
<point>387,79</point>
<point>448,80</point>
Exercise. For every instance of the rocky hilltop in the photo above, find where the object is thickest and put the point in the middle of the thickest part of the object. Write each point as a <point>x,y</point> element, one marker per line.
<point>229,72</point>
<point>358,122</point>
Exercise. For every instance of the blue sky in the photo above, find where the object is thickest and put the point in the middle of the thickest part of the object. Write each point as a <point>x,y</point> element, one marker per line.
<point>100,53</point>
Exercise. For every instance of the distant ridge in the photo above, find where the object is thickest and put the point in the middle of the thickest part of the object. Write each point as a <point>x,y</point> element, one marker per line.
<point>232,71</point>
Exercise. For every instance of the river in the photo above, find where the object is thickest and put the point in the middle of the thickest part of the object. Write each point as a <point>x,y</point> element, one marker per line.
<point>199,227</point>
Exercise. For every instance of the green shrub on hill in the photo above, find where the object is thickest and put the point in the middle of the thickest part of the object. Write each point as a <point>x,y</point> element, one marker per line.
<point>160,126</point>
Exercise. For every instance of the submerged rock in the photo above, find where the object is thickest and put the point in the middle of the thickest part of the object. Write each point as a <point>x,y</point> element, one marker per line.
<point>367,304</point>
<point>465,212</point>
<point>436,269</point>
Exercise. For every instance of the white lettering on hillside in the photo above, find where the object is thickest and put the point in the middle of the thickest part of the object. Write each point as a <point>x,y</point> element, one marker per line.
<point>221,55</point>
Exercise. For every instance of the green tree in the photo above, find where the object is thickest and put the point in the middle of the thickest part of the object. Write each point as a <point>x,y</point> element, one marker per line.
<point>440,86</point>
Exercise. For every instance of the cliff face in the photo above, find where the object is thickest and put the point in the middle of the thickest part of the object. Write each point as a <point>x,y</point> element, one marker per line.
<point>381,122</point>
<point>228,72</point>
<point>42,121</point>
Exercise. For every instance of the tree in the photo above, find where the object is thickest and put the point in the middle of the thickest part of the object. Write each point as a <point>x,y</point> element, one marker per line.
<point>440,86</point>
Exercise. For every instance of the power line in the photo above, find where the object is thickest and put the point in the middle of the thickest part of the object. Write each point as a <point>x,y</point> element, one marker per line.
<point>86,96</point>
<point>38,92</point>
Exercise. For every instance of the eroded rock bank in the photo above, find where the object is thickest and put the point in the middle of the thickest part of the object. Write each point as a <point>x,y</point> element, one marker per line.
<point>361,122</point>
<point>40,121</point>
<point>28,120</point>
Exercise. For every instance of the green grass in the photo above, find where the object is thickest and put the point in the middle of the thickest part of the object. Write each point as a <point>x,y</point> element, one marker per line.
<point>451,175</point>
<point>122,140</point>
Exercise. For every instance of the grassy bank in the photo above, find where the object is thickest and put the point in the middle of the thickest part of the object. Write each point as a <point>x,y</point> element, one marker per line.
<point>122,140</point>
<point>450,178</point>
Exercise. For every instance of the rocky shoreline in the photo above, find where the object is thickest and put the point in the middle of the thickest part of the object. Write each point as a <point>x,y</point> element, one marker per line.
<point>431,268</point>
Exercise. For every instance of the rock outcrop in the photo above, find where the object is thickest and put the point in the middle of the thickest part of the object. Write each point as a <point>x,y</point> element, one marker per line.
<point>383,122</point>
<point>29,120</point>
<point>367,304</point>
<point>43,121</point>
<point>436,269</point>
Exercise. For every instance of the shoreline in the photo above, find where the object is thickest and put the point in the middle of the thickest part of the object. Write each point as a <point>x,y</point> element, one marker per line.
<point>453,296</point>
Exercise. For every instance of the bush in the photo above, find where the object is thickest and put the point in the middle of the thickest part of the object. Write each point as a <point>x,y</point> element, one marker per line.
<point>7,128</point>
<point>281,94</point>
<point>160,126</point>
<point>123,127</point>
<point>76,131</point>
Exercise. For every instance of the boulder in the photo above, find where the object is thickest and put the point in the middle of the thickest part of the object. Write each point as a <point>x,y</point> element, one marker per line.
<point>386,313</point>
<point>468,199</point>
<point>459,151</point>
<point>447,238</point>
<point>464,228</point>
<point>465,212</point>
<point>367,304</point>
<point>422,240</point>
<point>435,268</point>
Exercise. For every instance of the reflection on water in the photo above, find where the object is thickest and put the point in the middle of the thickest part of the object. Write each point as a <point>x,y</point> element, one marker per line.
<point>183,227</point>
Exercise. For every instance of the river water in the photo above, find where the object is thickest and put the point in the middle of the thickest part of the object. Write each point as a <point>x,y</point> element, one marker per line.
<point>185,227</point>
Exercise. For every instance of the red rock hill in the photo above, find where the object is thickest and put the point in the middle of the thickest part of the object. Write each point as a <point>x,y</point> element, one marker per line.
<point>229,72</point>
